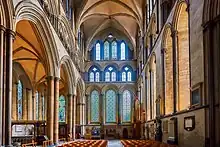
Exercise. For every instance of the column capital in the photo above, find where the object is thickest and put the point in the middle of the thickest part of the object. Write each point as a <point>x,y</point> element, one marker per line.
<point>2,28</point>
<point>69,95</point>
<point>11,32</point>
<point>163,50</point>
<point>50,78</point>
<point>56,79</point>
<point>174,32</point>
<point>28,89</point>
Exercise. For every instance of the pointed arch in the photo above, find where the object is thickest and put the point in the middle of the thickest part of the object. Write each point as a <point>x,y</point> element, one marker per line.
<point>68,66</point>
<point>167,47</point>
<point>180,23</point>
<point>30,12</point>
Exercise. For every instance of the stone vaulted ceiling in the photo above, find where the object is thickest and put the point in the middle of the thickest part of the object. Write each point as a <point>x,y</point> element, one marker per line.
<point>98,15</point>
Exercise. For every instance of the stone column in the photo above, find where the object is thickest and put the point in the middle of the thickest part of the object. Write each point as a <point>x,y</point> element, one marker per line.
<point>102,115</point>
<point>29,103</point>
<point>139,103</point>
<point>87,109</point>
<point>101,108</point>
<point>74,116</point>
<point>163,110</point>
<point>45,104</point>
<point>70,114</point>
<point>151,93</point>
<point>14,101</point>
<point>50,105</point>
<point>119,110</point>
<point>56,110</point>
<point>2,30</point>
<point>175,72</point>
<point>8,86</point>
<point>40,106</point>
<point>82,118</point>
<point>34,105</point>
<point>24,105</point>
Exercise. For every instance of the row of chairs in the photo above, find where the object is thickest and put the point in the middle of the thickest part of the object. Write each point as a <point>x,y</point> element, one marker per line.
<point>32,144</point>
<point>85,143</point>
<point>144,143</point>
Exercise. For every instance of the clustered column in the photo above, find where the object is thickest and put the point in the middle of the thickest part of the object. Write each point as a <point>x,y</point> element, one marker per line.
<point>70,114</point>
<point>74,116</point>
<point>14,101</point>
<point>1,80</point>
<point>50,106</point>
<point>56,109</point>
<point>24,105</point>
<point>6,41</point>
<point>29,101</point>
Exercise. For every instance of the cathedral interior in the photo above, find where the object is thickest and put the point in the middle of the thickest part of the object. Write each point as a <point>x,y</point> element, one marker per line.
<point>110,73</point>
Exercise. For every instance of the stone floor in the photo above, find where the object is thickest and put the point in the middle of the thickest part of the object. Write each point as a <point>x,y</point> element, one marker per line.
<point>114,143</point>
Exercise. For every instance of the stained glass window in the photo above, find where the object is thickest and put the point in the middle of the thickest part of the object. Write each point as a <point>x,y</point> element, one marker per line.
<point>129,76</point>
<point>110,106</point>
<point>62,109</point>
<point>97,76</point>
<point>19,99</point>
<point>123,76</point>
<point>106,50</point>
<point>94,106</point>
<point>91,77</point>
<point>113,76</point>
<point>126,106</point>
<point>107,76</point>
<point>114,50</point>
<point>122,51</point>
<point>37,104</point>
<point>98,51</point>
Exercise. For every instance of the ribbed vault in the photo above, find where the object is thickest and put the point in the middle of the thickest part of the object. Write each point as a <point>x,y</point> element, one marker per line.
<point>95,16</point>
<point>29,53</point>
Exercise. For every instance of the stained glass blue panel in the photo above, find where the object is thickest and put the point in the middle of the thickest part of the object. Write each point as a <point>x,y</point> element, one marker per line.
<point>97,76</point>
<point>62,109</point>
<point>98,53</point>
<point>123,76</point>
<point>126,106</point>
<point>37,103</point>
<point>122,51</point>
<point>106,50</point>
<point>113,76</point>
<point>114,50</point>
<point>129,76</point>
<point>110,106</point>
<point>19,99</point>
<point>94,106</point>
<point>91,77</point>
<point>107,76</point>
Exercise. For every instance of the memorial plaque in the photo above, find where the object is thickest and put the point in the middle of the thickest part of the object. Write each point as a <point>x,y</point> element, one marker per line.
<point>189,123</point>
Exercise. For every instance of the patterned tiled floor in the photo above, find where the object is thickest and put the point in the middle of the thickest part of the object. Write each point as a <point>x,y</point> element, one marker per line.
<point>114,143</point>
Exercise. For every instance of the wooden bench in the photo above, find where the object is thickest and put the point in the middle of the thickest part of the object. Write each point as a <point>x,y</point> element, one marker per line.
<point>85,143</point>
<point>144,143</point>
<point>33,144</point>
<point>47,143</point>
